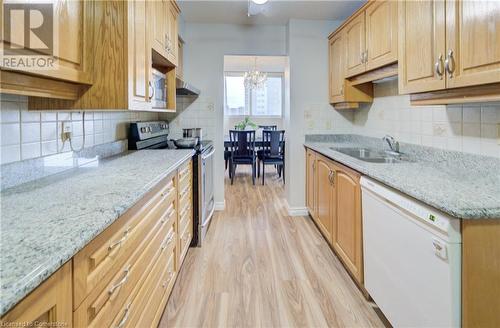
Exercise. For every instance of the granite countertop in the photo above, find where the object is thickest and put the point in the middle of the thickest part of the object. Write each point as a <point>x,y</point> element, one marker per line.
<point>47,221</point>
<point>465,186</point>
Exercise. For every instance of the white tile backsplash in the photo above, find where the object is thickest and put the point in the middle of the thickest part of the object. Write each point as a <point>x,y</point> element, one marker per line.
<point>33,134</point>
<point>469,127</point>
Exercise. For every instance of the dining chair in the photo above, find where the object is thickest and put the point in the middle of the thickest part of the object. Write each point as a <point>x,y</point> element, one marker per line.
<point>272,152</point>
<point>242,148</point>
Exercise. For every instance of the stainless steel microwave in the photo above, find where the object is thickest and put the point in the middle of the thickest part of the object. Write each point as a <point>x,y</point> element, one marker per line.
<point>159,92</point>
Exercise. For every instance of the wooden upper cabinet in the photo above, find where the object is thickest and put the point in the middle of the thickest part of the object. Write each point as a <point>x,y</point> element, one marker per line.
<point>421,46</point>
<point>336,52</point>
<point>381,19</point>
<point>310,182</point>
<point>172,33</point>
<point>347,231</point>
<point>325,195</point>
<point>355,45</point>
<point>472,42</point>
<point>159,26</point>
<point>49,305</point>
<point>139,56</point>
<point>72,20</point>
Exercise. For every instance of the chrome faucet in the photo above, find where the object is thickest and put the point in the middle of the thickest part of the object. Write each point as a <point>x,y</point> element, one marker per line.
<point>393,144</point>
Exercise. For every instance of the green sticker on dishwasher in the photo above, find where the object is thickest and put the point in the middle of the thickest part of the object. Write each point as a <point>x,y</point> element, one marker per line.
<point>432,217</point>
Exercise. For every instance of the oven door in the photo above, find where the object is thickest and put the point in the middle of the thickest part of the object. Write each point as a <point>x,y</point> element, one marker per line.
<point>207,190</point>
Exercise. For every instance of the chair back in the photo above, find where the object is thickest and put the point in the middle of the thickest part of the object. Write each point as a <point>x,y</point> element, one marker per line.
<point>273,143</point>
<point>242,143</point>
<point>268,127</point>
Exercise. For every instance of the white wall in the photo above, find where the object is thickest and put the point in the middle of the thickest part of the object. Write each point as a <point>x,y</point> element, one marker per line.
<point>468,128</point>
<point>310,111</point>
<point>26,134</point>
<point>206,45</point>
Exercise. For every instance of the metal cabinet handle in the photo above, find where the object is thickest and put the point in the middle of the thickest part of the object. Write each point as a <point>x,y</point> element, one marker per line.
<point>121,282</point>
<point>118,242</point>
<point>170,275</point>
<point>362,57</point>
<point>169,240</point>
<point>169,215</point>
<point>163,194</point>
<point>342,89</point>
<point>438,66</point>
<point>184,192</point>
<point>152,90</point>
<point>125,316</point>
<point>449,64</point>
<point>365,56</point>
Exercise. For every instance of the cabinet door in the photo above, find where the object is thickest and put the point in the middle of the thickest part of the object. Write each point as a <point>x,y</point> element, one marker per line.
<point>310,182</point>
<point>473,38</point>
<point>49,305</point>
<point>421,46</point>
<point>381,34</point>
<point>172,33</point>
<point>159,27</point>
<point>336,52</point>
<point>324,194</point>
<point>139,55</point>
<point>355,45</point>
<point>347,235</point>
<point>71,19</point>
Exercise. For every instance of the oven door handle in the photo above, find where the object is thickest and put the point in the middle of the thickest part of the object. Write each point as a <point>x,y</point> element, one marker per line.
<point>208,155</point>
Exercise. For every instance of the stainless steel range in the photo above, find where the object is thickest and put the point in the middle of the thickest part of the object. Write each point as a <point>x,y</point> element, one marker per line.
<point>154,135</point>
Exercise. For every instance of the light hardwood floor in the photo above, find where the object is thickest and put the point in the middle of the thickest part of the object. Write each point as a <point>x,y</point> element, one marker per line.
<point>262,268</point>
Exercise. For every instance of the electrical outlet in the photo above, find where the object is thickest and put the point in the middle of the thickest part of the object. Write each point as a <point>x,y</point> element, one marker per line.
<point>210,106</point>
<point>66,130</point>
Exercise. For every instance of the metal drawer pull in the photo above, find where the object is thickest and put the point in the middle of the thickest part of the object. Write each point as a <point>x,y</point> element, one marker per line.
<point>163,194</point>
<point>169,240</point>
<point>169,215</point>
<point>439,66</point>
<point>184,171</point>
<point>125,316</point>
<point>121,282</point>
<point>118,242</point>
<point>448,62</point>
<point>184,211</point>
<point>170,275</point>
<point>184,192</point>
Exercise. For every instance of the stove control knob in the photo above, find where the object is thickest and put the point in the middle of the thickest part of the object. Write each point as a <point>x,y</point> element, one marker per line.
<point>143,130</point>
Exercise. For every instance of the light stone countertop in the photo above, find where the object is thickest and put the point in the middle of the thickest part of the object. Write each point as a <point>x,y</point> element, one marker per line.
<point>465,186</point>
<point>44,223</point>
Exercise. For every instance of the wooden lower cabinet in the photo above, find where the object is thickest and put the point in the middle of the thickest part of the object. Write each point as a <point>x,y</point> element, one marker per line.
<point>325,208</point>
<point>336,209</point>
<point>347,236</point>
<point>124,276</point>
<point>49,305</point>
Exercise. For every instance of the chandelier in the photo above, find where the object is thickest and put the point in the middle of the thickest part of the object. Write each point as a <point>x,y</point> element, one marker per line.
<point>254,79</point>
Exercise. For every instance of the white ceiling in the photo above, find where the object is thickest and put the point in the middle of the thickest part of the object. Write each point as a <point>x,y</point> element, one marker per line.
<point>274,12</point>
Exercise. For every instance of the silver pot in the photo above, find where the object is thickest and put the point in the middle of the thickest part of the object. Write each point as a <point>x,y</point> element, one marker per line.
<point>186,142</point>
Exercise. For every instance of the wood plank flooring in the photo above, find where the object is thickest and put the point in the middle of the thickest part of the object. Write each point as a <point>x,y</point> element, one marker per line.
<point>262,268</point>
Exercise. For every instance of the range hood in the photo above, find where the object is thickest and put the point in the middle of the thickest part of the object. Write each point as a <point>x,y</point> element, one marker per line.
<point>185,89</point>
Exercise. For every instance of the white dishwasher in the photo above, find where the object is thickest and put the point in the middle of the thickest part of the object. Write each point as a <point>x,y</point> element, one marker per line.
<point>412,255</point>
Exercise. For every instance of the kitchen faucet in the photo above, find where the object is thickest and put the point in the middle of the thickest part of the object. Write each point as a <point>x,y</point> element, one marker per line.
<point>393,144</point>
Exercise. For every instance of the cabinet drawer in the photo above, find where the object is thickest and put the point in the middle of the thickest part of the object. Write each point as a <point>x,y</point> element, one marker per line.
<point>185,197</point>
<point>185,240</point>
<point>146,298</point>
<point>98,262</point>
<point>102,306</point>
<point>185,175</point>
<point>185,217</point>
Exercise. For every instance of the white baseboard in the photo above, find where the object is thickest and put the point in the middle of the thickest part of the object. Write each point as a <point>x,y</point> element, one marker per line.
<point>220,206</point>
<point>297,211</point>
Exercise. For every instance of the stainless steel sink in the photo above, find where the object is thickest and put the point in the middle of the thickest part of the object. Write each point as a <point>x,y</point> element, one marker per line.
<point>371,155</point>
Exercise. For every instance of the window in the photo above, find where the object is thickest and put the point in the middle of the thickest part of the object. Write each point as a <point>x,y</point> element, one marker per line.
<point>264,102</point>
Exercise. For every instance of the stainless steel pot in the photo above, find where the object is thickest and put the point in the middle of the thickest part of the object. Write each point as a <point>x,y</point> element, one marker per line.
<point>186,142</point>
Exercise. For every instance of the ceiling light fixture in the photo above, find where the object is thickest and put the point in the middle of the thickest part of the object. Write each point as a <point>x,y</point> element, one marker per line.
<point>254,79</point>
<point>259,2</point>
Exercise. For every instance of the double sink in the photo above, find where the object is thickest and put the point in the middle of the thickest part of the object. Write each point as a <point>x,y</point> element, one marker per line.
<point>372,155</point>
